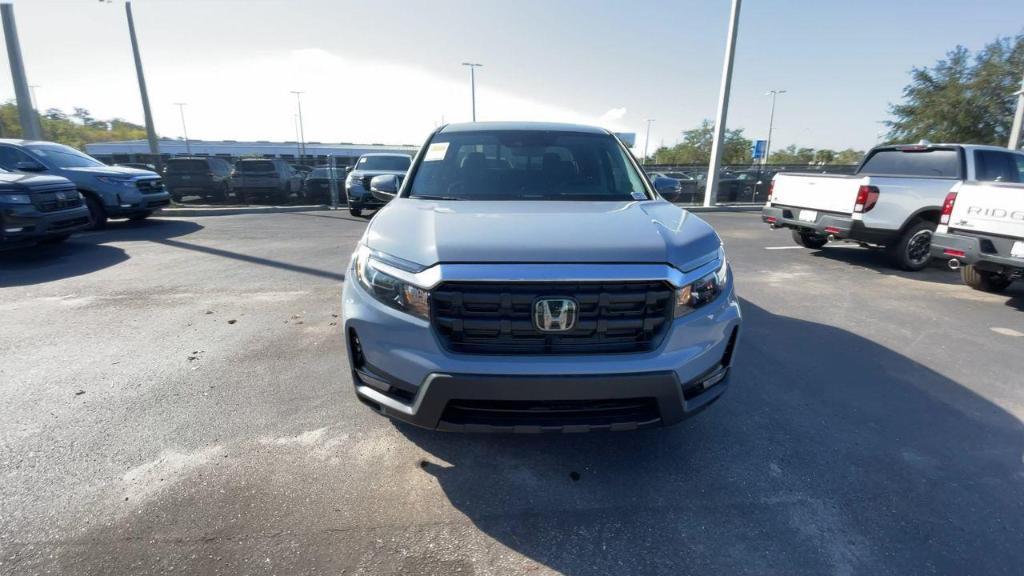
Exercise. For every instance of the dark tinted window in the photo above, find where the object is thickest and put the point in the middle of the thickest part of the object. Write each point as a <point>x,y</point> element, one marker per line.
<point>384,163</point>
<point>526,165</point>
<point>10,156</point>
<point>930,163</point>
<point>994,166</point>
<point>174,166</point>
<point>255,166</point>
<point>325,173</point>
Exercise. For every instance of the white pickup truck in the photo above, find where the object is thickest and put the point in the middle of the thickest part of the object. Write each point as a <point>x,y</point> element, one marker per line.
<point>981,232</point>
<point>893,200</point>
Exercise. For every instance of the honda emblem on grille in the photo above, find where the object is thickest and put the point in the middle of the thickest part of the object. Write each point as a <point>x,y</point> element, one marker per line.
<point>554,314</point>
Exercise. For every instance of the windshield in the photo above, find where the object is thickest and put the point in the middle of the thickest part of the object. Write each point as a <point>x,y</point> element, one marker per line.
<point>255,166</point>
<point>325,173</point>
<point>187,166</point>
<point>526,165</point>
<point>61,156</point>
<point>384,163</point>
<point>926,163</point>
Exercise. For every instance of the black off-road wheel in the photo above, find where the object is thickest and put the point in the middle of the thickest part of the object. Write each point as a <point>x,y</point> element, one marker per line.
<point>97,213</point>
<point>913,251</point>
<point>984,280</point>
<point>808,240</point>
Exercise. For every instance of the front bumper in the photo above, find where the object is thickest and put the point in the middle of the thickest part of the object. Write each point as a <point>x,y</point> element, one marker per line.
<point>25,224</point>
<point>987,253</point>
<point>139,203</point>
<point>361,197</point>
<point>841,226</point>
<point>403,371</point>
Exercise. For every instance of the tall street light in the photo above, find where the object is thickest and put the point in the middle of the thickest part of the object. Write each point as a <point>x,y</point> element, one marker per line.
<point>472,84</point>
<point>181,110</point>
<point>771,122</point>
<point>1018,119</point>
<point>647,138</point>
<point>154,145</point>
<point>717,144</point>
<point>302,130</point>
<point>30,129</point>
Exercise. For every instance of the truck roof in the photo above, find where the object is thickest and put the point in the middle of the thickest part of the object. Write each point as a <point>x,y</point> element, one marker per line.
<point>537,126</point>
<point>946,145</point>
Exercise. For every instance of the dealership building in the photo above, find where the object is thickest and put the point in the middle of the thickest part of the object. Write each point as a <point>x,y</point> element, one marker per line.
<point>344,154</point>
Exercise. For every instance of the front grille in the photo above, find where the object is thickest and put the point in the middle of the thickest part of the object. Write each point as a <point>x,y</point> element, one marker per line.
<point>152,186</point>
<point>497,318</point>
<point>555,413</point>
<point>57,200</point>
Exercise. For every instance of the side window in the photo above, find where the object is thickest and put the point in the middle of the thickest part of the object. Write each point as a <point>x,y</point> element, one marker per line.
<point>995,166</point>
<point>9,158</point>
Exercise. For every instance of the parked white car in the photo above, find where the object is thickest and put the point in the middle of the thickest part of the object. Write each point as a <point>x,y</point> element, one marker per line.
<point>894,200</point>
<point>981,232</point>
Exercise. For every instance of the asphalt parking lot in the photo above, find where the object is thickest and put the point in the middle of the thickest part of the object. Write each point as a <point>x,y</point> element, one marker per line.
<point>176,400</point>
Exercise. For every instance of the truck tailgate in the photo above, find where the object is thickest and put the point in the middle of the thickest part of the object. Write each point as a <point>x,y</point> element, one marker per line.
<point>991,208</point>
<point>828,193</point>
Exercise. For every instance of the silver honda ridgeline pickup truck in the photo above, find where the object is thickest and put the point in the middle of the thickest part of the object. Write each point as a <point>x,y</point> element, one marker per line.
<point>527,277</point>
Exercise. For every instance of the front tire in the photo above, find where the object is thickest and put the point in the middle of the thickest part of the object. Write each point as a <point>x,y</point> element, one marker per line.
<point>355,211</point>
<point>912,252</point>
<point>808,240</point>
<point>97,213</point>
<point>984,280</point>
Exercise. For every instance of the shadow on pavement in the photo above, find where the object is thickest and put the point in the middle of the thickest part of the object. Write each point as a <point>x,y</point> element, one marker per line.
<point>84,253</point>
<point>875,259</point>
<point>831,454</point>
<point>254,259</point>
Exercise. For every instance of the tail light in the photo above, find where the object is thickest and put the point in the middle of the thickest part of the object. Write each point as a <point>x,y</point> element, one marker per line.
<point>771,190</point>
<point>867,197</point>
<point>947,208</point>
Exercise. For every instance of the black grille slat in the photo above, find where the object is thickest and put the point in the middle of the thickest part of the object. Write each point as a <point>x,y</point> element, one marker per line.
<point>497,318</point>
<point>558,413</point>
<point>151,186</point>
<point>51,201</point>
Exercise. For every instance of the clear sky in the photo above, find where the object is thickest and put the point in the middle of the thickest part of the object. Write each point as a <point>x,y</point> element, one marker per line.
<point>389,70</point>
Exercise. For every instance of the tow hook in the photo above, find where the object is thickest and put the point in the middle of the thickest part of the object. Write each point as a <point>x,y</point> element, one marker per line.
<point>953,264</point>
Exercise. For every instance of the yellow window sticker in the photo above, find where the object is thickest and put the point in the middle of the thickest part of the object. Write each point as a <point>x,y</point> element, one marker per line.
<point>436,151</point>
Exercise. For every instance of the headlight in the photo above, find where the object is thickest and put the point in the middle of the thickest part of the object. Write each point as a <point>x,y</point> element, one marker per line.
<point>15,198</point>
<point>352,178</point>
<point>703,291</point>
<point>116,181</point>
<point>390,290</point>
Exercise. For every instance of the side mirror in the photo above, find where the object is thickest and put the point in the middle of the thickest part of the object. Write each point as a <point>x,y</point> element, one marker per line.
<point>348,169</point>
<point>385,187</point>
<point>25,166</point>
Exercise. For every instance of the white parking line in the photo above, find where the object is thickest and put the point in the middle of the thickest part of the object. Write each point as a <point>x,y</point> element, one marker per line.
<point>1007,331</point>
<point>783,247</point>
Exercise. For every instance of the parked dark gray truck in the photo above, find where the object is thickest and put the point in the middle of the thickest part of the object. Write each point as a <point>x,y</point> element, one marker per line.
<point>38,209</point>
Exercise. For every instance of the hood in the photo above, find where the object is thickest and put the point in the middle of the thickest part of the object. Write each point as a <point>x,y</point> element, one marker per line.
<point>111,171</point>
<point>428,232</point>
<point>31,181</point>
<point>364,173</point>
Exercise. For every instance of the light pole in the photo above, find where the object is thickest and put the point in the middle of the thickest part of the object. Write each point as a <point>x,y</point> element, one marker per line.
<point>30,129</point>
<point>647,139</point>
<point>302,130</point>
<point>717,144</point>
<point>771,123</point>
<point>298,145</point>
<point>1018,119</point>
<point>181,110</point>
<point>154,145</point>
<point>472,84</point>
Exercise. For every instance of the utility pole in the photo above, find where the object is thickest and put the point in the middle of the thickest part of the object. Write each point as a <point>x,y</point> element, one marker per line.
<point>647,139</point>
<point>298,145</point>
<point>181,110</point>
<point>30,129</point>
<point>472,84</point>
<point>717,144</point>
<point>302,130</point>
<point>154,145</point>
<point>771,123</point>
<point>1018,119</point>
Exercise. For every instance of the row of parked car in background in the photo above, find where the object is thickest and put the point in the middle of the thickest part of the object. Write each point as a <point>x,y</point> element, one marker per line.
<point>959,202</point>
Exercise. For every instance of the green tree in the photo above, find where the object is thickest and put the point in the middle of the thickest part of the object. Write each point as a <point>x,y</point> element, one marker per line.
<point>59,127</point>
<point>849,156</point>
<point>962,98</point>
<point>696,147</point>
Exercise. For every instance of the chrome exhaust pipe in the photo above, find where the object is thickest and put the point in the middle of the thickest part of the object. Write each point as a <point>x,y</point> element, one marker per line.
<point>953,264</point>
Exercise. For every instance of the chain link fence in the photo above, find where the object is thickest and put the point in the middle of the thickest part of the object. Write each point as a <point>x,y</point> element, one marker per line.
<point>738,184</point>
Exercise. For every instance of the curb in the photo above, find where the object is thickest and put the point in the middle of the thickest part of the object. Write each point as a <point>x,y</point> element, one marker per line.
<point>231,210</point>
